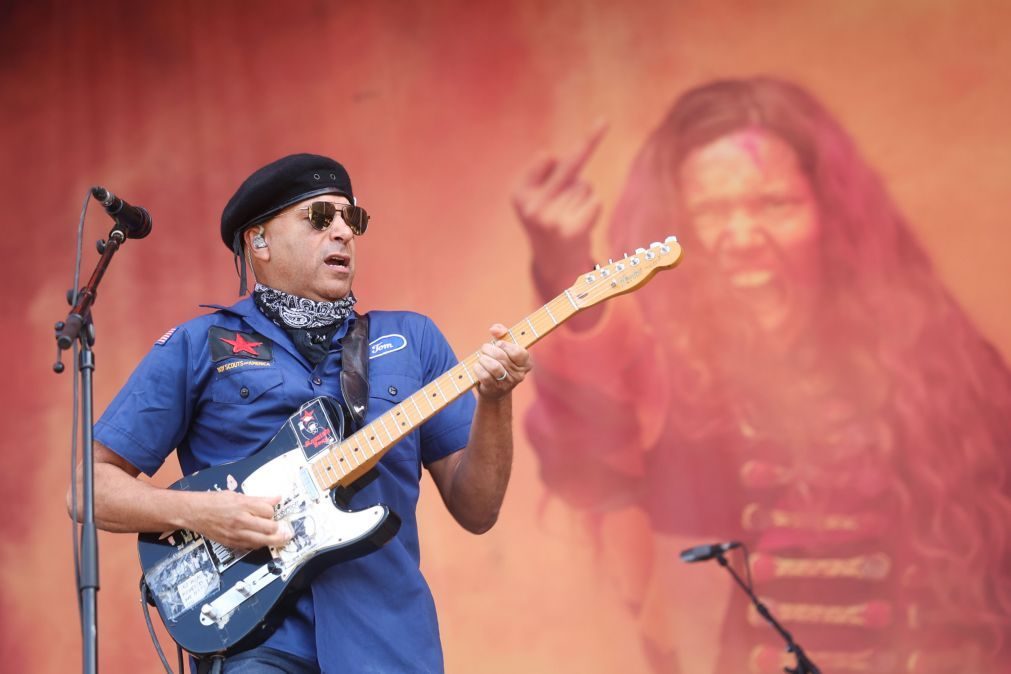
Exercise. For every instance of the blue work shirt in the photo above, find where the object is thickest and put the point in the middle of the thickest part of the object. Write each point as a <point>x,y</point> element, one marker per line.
<point>372,614</point>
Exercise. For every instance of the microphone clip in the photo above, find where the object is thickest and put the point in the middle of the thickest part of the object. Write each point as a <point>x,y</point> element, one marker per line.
<point>132,222</point>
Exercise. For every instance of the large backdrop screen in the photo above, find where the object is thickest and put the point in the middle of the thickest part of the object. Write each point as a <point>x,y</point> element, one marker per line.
<point>823,378</point>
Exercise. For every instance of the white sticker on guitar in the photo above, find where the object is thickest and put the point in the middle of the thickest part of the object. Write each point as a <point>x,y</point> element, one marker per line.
<point>181,580</point>
<point>194,588</point>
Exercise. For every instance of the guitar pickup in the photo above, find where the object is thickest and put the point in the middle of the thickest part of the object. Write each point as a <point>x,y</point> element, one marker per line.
<point>220,610</point>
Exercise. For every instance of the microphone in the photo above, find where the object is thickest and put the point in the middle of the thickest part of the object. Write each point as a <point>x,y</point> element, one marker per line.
<point>701,553</point>
<point>134,220</point>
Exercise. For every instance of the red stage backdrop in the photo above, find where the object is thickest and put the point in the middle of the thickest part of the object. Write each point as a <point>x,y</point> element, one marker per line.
<point>437,108</point>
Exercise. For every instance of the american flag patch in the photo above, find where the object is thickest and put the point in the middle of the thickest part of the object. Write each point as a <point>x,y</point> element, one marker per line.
<point>164,338</point>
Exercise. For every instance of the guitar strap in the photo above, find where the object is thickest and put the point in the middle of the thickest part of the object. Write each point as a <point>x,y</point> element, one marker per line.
<point>355,369</point>
<point>355,389</point>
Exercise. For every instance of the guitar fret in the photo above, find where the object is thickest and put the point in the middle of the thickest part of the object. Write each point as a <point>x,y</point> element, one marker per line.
<point>337,461</point>
<point>343,465</point>
<point>421,416</point>
<point>568,295</point>
<point>324,464</point>
<point>321,462</point>
<point>333,466</point>
<point>353,455</point>
<point>401,410</point>
<point>343,460</point>
<point>453,379</point>
<point>354,451</point>
<point>427,398</point>
<point>369,440</point>
<point>550,315</point>
<point>536,334</point>
<point>515,341</point>
<point>386,428</point>
<point>439,389</point>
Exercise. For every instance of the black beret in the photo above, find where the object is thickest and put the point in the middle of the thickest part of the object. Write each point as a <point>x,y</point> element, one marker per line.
<point>278,185</point>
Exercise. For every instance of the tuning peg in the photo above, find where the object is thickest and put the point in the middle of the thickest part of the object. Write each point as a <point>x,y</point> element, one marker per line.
<point>655,244</point>
<point>610,261</point>
<point>640,251</point>
<point>671,239</point>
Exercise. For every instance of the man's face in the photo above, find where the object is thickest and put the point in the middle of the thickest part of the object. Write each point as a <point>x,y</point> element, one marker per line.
<point>304,261</point>
<point>753,210</point>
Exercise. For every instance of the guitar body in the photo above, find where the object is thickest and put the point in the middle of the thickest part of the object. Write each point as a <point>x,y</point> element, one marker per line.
<point>212,598</point>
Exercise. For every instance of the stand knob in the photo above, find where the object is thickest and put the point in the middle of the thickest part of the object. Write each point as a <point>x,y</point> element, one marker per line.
<point>58,365</point>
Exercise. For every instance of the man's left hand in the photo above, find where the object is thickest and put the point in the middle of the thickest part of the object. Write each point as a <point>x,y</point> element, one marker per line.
<point>501,364</point>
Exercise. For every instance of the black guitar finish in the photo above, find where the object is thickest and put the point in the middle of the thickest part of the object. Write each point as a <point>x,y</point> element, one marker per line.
<point>213,599</point>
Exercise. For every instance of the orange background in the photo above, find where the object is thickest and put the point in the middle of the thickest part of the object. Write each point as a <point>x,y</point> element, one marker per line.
<point>435,107</point>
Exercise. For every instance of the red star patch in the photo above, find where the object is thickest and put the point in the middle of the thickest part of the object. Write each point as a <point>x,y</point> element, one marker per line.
<point>240,345</point>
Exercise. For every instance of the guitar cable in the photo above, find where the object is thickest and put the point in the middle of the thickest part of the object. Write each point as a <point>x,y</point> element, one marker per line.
<point>75,528</point>
<point>144,594</point>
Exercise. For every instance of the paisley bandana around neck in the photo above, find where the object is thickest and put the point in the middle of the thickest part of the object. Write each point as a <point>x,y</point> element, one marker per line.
<point>310,324</point>
<point>298,313</point>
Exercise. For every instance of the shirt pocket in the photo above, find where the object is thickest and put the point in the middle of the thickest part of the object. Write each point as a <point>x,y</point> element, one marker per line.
<point>245,386</point>
<point>385,392</point>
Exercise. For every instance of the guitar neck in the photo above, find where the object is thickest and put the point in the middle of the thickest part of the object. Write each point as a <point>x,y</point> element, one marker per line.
<point>344,462</point>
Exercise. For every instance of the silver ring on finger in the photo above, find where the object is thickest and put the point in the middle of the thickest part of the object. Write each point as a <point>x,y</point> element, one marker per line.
<point>504,375</point>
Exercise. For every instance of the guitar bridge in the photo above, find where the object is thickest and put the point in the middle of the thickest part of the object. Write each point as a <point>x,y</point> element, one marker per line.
<point>220,610</point>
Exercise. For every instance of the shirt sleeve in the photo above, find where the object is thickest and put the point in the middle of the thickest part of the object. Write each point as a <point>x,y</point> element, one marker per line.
<point>449,430</point>
<point>148,417</point>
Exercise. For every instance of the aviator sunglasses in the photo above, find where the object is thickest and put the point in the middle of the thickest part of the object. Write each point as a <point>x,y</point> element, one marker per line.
<point>322,213</point>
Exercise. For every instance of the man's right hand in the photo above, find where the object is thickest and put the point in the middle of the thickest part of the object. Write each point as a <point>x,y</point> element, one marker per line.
<point>558,209</point>
<point>237,520</point>
<point>124,503</point>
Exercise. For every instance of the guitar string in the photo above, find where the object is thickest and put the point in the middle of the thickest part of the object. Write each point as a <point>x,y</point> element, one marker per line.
<point>562,303</point>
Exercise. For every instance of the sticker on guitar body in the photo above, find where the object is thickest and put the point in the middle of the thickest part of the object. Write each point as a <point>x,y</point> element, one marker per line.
<point>313,518</point>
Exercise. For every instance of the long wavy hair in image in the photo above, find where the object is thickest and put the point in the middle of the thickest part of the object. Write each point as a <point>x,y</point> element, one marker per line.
<point>891,336</point>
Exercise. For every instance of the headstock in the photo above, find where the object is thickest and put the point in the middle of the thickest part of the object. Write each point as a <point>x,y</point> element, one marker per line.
<point>625,274</point>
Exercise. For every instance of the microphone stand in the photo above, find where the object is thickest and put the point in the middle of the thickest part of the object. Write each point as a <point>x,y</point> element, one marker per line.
<point>804,664</point>
<point>78,326</point>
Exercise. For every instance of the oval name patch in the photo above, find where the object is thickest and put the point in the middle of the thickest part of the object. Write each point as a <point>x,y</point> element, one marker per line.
<point>386,344</point>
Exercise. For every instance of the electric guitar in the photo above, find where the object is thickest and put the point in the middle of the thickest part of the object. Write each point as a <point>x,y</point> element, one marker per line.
<point>213,598</point>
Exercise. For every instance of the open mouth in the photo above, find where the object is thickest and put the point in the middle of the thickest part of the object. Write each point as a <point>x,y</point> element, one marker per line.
<point>751,278</point>
<point>337,260</point>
